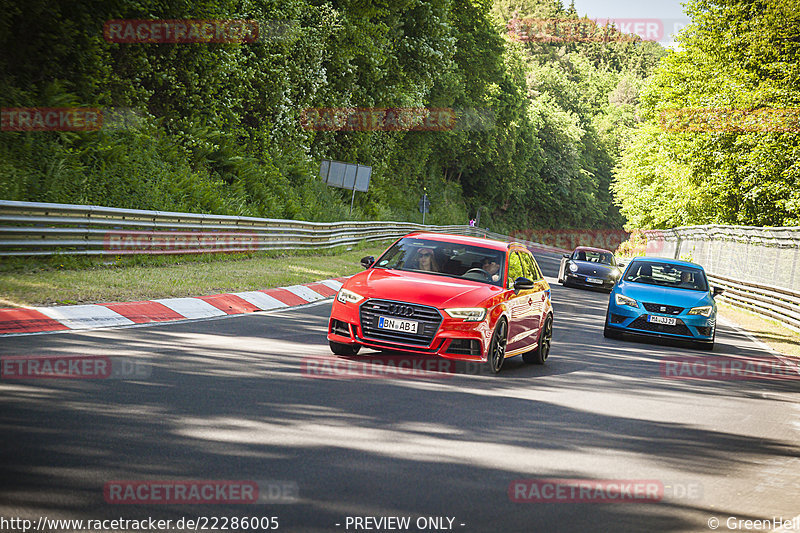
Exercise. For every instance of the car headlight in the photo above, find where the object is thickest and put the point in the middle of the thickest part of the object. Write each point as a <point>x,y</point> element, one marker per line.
<point>615,272</point>
<point>468,314</point>
<point>573,267</point>
<point>348,297</point>
<point>704,310</point>
<point>624,300</point>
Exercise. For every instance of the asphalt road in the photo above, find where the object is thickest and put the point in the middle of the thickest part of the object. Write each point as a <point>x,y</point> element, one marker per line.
<point>241,399</point>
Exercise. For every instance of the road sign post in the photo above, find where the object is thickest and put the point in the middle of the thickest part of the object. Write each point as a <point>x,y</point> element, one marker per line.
<point>346,176</point>
<point>424,206</point>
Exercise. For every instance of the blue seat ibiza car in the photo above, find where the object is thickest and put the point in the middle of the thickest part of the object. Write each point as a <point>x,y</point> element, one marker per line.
<point>663,298</point>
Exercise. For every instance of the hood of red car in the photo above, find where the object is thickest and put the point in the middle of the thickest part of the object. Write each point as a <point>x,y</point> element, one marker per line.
<point>416,287</point>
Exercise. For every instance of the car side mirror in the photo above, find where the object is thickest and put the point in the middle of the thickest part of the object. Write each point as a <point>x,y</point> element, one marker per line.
<point>367,261</point>
<point>716,291</point>
<point>523,284</point>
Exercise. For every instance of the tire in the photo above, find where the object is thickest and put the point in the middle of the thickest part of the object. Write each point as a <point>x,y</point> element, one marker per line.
<point>608,332</point>
<point>344,349</point>
<point>539,355</point>
<point>497,348</point>
<point>708,346</point>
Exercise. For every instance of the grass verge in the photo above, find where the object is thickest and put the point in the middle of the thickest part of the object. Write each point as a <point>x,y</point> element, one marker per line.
<point>777,336</point>
<point>68,280</point>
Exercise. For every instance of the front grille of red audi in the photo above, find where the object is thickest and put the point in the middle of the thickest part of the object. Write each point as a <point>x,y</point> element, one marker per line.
<point>429,320</point>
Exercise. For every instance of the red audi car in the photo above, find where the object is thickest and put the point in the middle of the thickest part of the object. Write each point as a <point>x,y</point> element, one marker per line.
<point>456,297</point>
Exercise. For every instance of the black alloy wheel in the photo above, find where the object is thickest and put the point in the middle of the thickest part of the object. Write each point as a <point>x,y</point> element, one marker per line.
<point>497,348</point>
<point>539,355</point>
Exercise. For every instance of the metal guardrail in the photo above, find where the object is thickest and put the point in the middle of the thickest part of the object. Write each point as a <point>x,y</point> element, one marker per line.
<point>40,229</point>
<point>731,253</point>
<point>775,302</point>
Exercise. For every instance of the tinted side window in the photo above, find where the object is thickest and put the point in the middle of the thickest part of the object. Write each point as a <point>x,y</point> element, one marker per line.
<point>515,269</point>
<point>539,273</point>
<point>529,266</point>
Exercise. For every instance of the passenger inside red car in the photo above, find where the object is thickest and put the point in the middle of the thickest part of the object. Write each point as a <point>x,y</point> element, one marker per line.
<point>492,267</point>
<point>426,260</point>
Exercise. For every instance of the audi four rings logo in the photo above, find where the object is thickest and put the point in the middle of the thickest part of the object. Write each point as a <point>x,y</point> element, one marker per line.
<point>401,310</point>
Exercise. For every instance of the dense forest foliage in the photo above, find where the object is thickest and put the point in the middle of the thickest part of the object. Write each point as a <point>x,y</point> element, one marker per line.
<point>720,137</point>
<point>217,126</point>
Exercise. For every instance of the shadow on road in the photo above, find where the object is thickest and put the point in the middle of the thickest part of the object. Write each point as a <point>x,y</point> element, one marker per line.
<point>230,399</point>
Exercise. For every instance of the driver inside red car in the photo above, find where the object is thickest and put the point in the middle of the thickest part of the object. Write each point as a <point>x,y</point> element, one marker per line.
<point>426,260</point>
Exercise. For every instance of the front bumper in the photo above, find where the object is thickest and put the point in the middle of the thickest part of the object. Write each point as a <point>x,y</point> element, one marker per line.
<point>635,320</point>
<point>582,281</point>
<point>454,338</point>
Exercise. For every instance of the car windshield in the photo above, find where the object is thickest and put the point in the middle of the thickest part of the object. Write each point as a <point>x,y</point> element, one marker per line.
<point>605,258</point>
<point>667,275</point>
<point>447,259</point>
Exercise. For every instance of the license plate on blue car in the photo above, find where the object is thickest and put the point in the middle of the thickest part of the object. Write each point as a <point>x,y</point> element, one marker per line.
<point>666,320</point>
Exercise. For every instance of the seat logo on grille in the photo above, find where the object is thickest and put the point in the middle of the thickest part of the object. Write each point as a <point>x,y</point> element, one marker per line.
<point>663,309</point>
<point>401,310</point>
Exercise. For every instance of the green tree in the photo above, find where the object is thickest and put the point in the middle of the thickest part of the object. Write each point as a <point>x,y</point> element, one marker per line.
<point>736,54</point>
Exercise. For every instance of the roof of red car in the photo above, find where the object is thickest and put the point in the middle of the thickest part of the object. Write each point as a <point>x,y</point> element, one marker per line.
<point>591,249</point>
<point>461,239</point>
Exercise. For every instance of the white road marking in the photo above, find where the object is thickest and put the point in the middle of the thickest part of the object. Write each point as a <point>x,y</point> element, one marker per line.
<point>305,293</point>
<point>333,284</point>
<point>85,316</point>
<point>260,300</point>
<point>191,307</point>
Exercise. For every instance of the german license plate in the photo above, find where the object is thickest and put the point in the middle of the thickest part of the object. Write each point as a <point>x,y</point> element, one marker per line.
<point>594,280</point>
<point>397,324</point>
<point>667,320</point>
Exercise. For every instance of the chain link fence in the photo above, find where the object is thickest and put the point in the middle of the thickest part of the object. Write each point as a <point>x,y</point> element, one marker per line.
<point>758,267</point>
